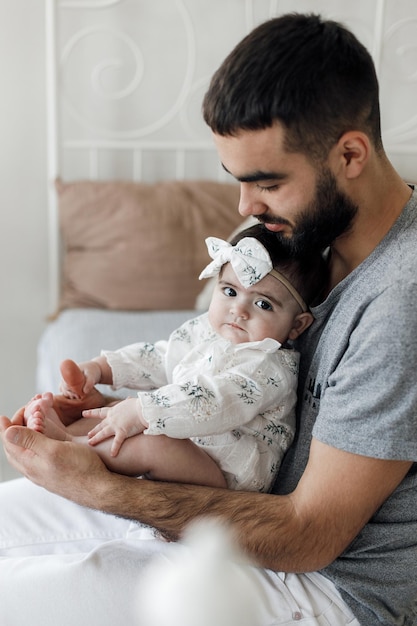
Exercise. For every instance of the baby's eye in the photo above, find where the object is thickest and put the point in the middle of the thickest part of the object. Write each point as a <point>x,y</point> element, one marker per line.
<point>229,291</point>
<point>264,305</point>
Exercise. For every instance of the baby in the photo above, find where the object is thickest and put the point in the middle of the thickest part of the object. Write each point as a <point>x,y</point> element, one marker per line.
<point>215,402</point>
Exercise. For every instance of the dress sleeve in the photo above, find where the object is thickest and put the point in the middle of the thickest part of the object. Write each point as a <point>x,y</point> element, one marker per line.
<point>138,365</point>
<point>149,365</point>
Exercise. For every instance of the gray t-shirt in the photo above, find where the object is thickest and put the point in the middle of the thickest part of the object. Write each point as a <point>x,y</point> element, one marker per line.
<point>358,392</point>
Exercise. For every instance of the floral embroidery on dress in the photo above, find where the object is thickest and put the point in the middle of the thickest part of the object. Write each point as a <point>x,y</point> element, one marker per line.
<point>185,333</point>
<point>181,334</point>
<point>275,467</point>
<point>149,356</point>
<point>150,360</point>
<point>273,431</point>
<point>201,403</point>
<point>275,382</point>
<point>159,399</point>
<point>250,392</point>
<point>290,360</point>
<point>278,430</point>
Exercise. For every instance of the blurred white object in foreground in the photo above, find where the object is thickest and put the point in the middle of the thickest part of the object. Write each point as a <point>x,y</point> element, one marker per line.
<point>205,582</point>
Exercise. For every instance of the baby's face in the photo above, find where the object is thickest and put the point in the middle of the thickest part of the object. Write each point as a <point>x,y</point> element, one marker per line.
<point>266,309</point>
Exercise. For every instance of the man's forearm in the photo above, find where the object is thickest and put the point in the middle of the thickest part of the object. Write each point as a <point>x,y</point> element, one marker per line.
<point>300,532</point>
<point>258,520</point>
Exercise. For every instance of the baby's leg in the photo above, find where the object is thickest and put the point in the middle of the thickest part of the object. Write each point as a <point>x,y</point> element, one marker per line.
<point>163,458</point>
<point>155,456</point>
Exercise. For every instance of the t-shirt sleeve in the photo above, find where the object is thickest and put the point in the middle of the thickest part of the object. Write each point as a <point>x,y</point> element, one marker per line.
<point>369,406</point>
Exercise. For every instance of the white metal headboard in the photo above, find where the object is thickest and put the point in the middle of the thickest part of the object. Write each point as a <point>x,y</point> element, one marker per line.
<point>125,81</point>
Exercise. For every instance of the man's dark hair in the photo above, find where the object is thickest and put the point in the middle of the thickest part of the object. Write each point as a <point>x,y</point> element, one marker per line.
<point>308,272</point>
<point>311,75</point>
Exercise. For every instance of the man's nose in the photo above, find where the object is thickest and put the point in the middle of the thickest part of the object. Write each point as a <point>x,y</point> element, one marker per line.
<point>249,204</point>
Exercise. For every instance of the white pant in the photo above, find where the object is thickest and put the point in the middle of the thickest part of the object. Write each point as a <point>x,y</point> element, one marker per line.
<point>64,565</point>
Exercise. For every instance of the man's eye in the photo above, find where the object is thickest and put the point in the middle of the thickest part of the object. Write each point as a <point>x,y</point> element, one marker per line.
<point>229,291</point>
<point>264,305</point>
<point>267,187</point>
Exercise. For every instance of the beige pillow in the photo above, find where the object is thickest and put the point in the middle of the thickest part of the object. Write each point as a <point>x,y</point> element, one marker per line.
<point>134,246</point>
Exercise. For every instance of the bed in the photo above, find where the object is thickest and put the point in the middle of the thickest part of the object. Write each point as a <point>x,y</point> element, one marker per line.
<point>135,184</point>
<point>134,181</point>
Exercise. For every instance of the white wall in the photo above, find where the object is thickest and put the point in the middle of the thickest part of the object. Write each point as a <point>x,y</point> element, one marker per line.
<point>23,236</point>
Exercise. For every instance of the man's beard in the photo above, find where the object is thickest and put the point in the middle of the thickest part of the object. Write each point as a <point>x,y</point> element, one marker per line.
<point>326,217</point>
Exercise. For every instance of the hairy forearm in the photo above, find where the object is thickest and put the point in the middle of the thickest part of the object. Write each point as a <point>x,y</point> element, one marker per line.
<point>264,525</point>
<point>300,532</point>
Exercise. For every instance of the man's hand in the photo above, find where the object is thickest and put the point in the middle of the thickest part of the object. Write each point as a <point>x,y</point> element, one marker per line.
<point>60,466</point>
<point>70,409</point>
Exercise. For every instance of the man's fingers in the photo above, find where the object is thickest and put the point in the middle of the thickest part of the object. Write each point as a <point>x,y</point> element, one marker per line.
<point>5,423</point>
<point>22,437</point>
<point>18,417</point>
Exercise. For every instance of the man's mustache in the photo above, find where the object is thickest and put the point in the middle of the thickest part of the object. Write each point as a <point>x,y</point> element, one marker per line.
<point>266,219</point>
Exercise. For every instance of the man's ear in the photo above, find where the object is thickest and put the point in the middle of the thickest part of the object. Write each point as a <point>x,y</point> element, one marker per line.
<point>352,152</point>
<point>301,323</point>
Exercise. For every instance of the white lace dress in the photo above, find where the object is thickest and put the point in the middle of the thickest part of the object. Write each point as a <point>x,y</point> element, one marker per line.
<point>236,401</point>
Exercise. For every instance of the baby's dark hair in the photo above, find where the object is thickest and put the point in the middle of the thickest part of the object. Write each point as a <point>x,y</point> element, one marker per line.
<point>307,273</point>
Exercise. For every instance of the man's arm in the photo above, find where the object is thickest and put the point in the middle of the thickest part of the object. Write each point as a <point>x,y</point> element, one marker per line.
<point>303,531</point>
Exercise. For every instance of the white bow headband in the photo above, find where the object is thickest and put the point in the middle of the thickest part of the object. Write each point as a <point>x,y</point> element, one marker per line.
<point>250,262</point>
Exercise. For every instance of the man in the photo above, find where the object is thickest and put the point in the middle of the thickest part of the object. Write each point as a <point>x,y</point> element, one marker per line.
<point>295,116</point>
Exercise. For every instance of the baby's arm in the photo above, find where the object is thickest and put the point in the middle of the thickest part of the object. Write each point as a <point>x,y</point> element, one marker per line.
<point>122,420</point>
<point>84,376</point>
<point>217,402</point>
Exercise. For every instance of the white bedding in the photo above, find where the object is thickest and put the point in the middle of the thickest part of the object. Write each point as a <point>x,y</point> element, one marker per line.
<point>81,334</point>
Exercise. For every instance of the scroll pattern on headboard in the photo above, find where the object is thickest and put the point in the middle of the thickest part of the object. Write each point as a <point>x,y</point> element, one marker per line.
<point>126,80</point>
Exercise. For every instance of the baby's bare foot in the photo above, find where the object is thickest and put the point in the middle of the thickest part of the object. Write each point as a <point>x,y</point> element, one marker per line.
<point>55,431</point>
<point>34,415</point>
<point>40,415</point>
<point>73,377</point>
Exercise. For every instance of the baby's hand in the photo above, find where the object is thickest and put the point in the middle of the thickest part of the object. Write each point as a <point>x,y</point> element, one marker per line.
<point>79,379</point>
<point>121,420</point>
